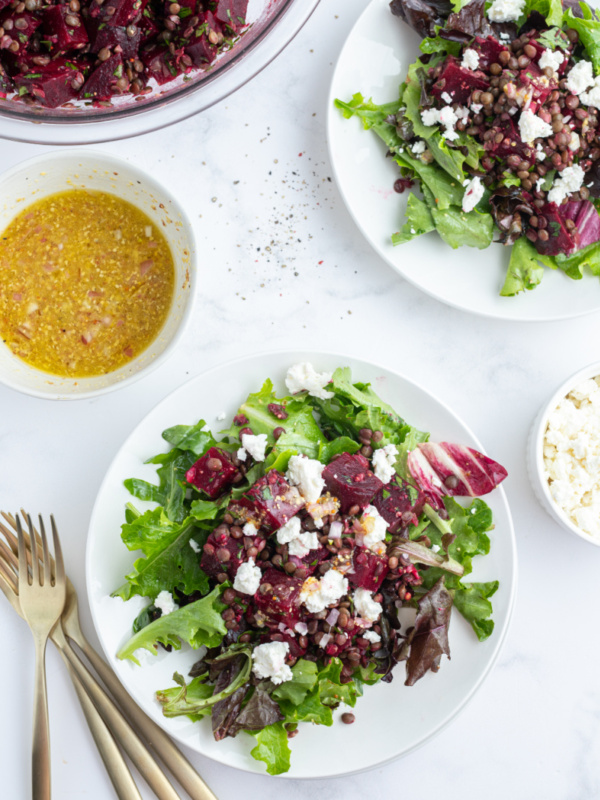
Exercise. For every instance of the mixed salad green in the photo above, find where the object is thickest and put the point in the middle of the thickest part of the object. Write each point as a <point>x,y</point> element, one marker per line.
<point>283,551</point>
<point>496,123</point>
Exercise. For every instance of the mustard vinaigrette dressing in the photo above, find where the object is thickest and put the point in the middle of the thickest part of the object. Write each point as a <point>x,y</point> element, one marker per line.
<point>86,283</point>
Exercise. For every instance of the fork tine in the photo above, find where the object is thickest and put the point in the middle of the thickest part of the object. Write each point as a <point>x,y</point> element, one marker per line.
<point>8,577</point>
<point>58,558</point>
<point>23,574</point>
<point>47,575</point>
<point>7,557</point>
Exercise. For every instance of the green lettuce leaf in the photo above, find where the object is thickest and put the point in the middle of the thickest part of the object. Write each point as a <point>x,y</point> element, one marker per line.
<point>552,10</point>
<point>524,269</point>
<point>198,624</point>
<point>418,221</point>
<point>587,258</point>
<point>169,561</point>
<point>554,38</point>
<point>369,112</point>
<point>273,748</point>
<point>189,699</point>
<point>473,603</point>
<point>588,29</point>
<point>459,229</point>
<point>305,678</point>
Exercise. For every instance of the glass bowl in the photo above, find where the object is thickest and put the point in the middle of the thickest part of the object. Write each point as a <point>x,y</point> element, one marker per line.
<point>273,24</point>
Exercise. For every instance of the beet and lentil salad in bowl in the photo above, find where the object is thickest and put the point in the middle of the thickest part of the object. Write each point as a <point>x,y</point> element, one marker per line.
<point>496,125</point>
<point>136,64</point>
<point>313,548</point>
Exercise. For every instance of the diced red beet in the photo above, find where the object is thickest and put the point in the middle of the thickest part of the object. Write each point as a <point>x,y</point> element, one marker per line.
<point>488,49</point>
<point>232,13</point>
<point>311,561</point>
<point>541,85</point>
<point>52,87</point>
<point>350,479</point>
<point>159,63</point>
<point>458,81</point>
<point>24,25</point>
<point>281,600</point>
<point>102,36</point>
<point>213,565</point>
<point>4,3</point>
<point>399,504</point>
<point>125,11</point>
<point>6,84</point>
<point>586,219</point>
<point>211,481</point>
<point>368,569</point>
<point>560,240</point>
<point>64,36</point>
<point>102,83</point>
<point>270,503</point>
<point>201,51</point>
<point>190,6</point>
<point>511,144</point>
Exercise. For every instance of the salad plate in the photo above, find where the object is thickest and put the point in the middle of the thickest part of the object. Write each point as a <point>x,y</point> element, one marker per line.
<point>392,719</point>
<point>374,62</point>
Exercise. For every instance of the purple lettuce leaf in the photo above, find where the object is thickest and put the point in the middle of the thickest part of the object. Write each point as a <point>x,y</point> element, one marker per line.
<point>422,16</point>
<point>586,218</point>
<point>441,469</point>
<point>429,639</point>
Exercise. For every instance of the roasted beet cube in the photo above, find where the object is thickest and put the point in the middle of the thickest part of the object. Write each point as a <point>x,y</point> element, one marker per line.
<point>53,86</point>
<point>212,472</point>
<point>311,561</point>
<point>560,240</point>
<point>22,26</point>
<point>224,554</point>
<point>270,503</point>
<point>350,479</point>
<point>102,36</point>
<point>117,13</point>
<point>6,84</point>
<point>511,143</point>
<point>278,598</point>
<point>399,504</point>
<point>539,84</point>
<point>201,51</point>
<point>488,50</point>
<point>188,8</point>
<point>103,82</point>
<point>458,81</point>
<point>232,13</point>
<point>368,569</point>
<point>160,63</point>
<point>64,29</point>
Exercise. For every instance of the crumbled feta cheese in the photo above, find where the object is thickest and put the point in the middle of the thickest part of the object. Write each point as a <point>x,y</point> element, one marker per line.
<point>461,112</point>
<point>446,116</point>
<point>375,527</point>
<point>446,98</point>
<point>418,147</point>
<point>165,603</point>
<point>473,194</point>
<point>268,661</point>
<point>303,377</point>
<point>532,127</point>
<point>567,181</point>
<point>194,545</point>
<point>430,116</point>
<point>540,155</point>
<point>505,37</point>
<point>539,184</point>
<point>255,445</point>
<point>580,77</point>
<point>318,594</point>
<point>505,10</point>
<point>249,529</point>
<point>371,636</point>
<point>306,474</point>
<point>365,606</point>
<point>592,97</point>
<point>242,454</point>
<point>476,107</point>
<point>470,59</point>
<point>551,58</point>
<point>221,416</point>
<point>247,577</point>
<point>575,142</point>
<point>435,548</point>
<point>299,543</point>
<point>572,455</point>
<point>383,462</point>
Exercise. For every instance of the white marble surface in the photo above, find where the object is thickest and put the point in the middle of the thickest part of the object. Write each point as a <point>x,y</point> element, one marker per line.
<point>282,266</point>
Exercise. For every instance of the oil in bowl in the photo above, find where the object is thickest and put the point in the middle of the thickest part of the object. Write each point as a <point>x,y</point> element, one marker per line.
<point>86,283</point>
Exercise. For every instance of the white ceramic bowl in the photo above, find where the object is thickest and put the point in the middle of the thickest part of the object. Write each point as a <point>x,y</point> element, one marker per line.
<point>535,457</point>
<point>86,169</point>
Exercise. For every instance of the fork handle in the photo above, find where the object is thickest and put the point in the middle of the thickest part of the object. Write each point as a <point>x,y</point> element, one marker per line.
<point>158,740</point>
<point>118,771</point>
<point>40,762</point>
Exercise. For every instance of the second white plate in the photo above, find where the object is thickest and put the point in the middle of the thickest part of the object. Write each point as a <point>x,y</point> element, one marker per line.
<point>374,61</point>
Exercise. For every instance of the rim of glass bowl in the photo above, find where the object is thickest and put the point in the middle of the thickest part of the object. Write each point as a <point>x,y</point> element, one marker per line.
<point>54,127</point>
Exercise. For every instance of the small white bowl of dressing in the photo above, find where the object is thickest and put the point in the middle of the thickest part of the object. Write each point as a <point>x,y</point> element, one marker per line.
<point>168,229</point>
<point>563,455</point>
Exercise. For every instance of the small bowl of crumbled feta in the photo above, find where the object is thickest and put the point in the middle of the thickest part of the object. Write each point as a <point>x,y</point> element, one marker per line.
<point>564,454</point>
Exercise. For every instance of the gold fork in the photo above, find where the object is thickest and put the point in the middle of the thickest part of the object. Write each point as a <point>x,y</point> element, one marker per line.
<point>42,602</point>
<point>156,738</point>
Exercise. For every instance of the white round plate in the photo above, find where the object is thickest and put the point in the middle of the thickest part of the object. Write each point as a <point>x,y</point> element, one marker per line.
<point>391,719</point>
<point>374,61</point>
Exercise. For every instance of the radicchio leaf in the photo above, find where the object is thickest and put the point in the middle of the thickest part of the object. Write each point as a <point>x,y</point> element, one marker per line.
<point>225,712</point>
<point>586,219</point>
<point>442,469</point>
<point>429,639</point>
<point>261,710</point>
<point>420,15</point>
